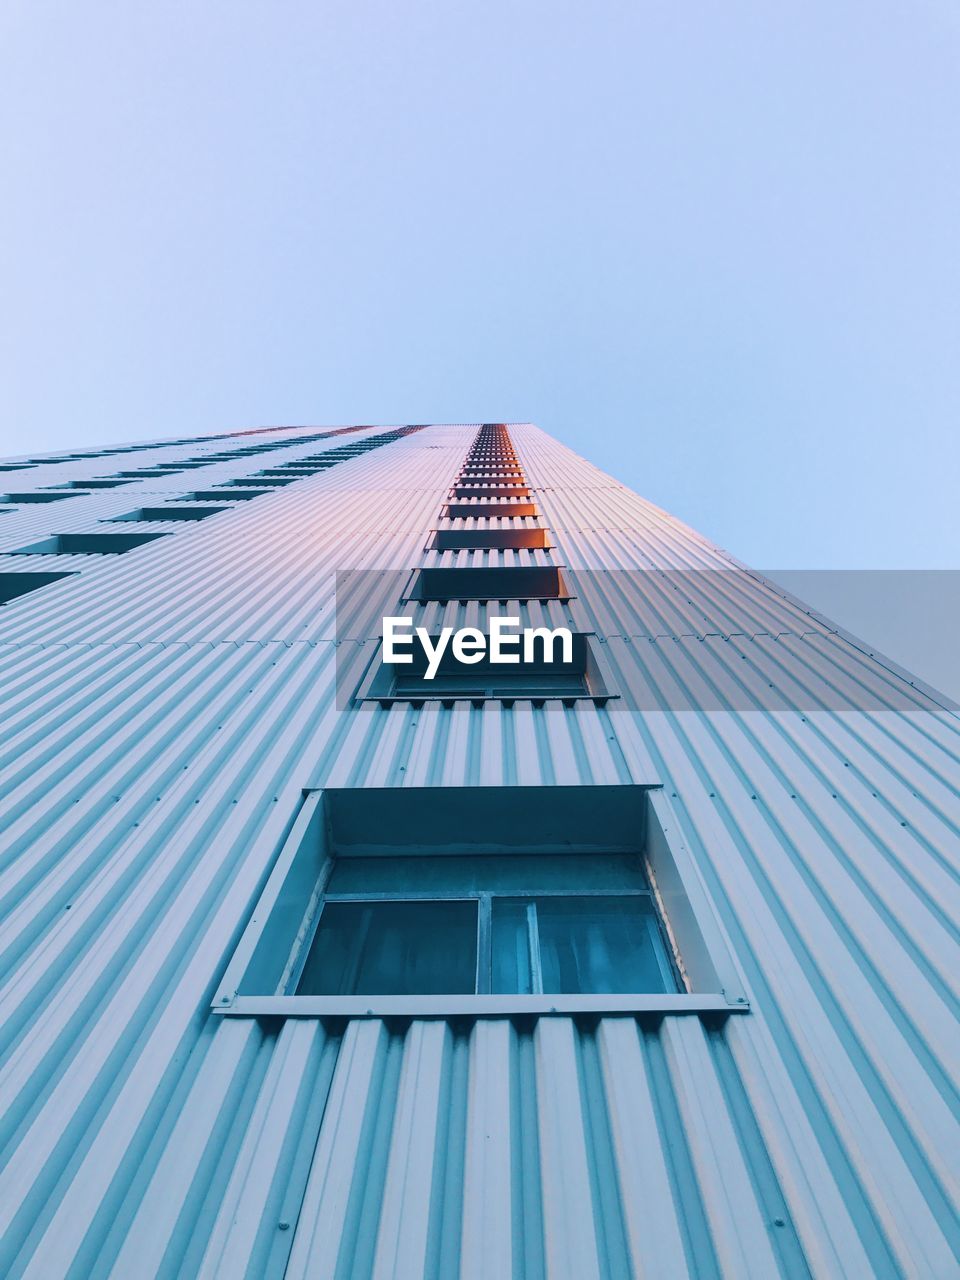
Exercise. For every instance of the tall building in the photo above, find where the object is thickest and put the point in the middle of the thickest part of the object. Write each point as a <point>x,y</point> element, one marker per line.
<point>636,957</point>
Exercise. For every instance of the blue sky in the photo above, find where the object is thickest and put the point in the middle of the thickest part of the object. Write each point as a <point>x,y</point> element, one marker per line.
<point>712,246</point>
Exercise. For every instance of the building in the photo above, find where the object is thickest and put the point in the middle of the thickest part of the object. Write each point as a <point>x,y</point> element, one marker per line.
<point>639,964</point>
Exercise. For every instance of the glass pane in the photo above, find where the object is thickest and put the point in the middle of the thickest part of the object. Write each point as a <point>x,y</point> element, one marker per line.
<point>393,948</point>
<point>511,948</point>
<point>599,946</point>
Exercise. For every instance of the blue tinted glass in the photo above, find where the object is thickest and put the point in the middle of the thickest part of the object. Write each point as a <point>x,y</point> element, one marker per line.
<point>511,948</point>
<point>599,946</point>
<point>393,948</point>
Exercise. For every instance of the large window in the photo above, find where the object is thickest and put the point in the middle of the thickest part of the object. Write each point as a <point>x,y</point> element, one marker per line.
<point>522,925</point>
<point>481,902</point>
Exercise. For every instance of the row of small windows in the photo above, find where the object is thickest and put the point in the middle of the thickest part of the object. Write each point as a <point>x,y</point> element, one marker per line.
<point>173,468</point>
<point>491,484</point>
<point>53,460</point>
<point>206,503</point>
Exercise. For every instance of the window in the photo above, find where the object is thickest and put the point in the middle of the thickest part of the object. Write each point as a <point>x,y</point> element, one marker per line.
<point>14,585</point>
<point>225,495</point>
<point>288,471</point>
<point>479,683</point>
<point>146,473</point>
<point>39,496</point>
<point>481,470</point>
<point>584,676</point>
<point>87,544</point>
<point>578,944</point>
<point>522,539</point>
<point>496,489</point>
<point>488,507</point>
<point>169,513</point>
<point>521,926</point>
<point>392,948</point>
<point>537,582</point>
<point>484,902</point>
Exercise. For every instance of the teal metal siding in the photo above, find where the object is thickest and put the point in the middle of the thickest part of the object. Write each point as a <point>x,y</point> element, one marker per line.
<point>162,712</point>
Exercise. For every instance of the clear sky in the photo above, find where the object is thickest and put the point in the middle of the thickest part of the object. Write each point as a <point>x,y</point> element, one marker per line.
<point>712,246</point>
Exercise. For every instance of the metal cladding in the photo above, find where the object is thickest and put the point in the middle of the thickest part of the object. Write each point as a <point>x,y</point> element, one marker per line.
<point>163,709</point>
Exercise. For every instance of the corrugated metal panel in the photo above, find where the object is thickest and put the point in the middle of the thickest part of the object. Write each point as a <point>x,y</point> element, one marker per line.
<point>162,711</point>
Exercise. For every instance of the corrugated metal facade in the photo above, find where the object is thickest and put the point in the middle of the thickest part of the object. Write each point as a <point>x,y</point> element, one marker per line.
<point>162,712</point>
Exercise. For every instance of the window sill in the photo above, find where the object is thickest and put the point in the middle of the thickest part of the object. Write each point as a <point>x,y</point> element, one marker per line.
<point>485,1006</point>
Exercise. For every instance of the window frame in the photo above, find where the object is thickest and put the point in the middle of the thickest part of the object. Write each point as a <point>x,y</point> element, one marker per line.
<point>588,678</point>
<point>343,822</point>
<point>484,898</point>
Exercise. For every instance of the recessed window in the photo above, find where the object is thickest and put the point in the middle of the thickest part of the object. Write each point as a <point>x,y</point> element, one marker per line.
<point>14,585</point>
<point>532,678</point>
<point>39,496</point>
<point>538,582</point>
<point>169,513</point>
<point>295,470</point>
<point>471,510</point>
<point>482,901</point>
<point>480,471</point>
<point>477,686</point>
<point>227,495</point>
<point>148,473</point>
<point>500,539</point>
<point>87,544</point>
<point>462,491</point>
